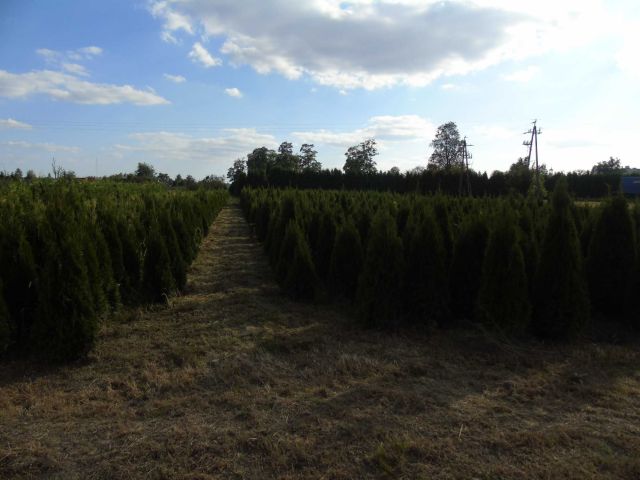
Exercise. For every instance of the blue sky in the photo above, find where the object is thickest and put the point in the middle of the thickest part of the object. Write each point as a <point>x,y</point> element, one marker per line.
<point>190,85</point>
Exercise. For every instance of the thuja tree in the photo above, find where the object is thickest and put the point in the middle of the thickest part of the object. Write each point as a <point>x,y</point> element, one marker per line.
<point>18,267</point>
<point>561,304</point>
<point>611,262</point>
<point>300,281</point>
<point>379,295</point>
<point>157,276</point>
<point>65,322</point>
<point>425,284</point>
<point>503,299</point>
<point>346,261</point>
<point>5,328</point>
<point>466,268</point>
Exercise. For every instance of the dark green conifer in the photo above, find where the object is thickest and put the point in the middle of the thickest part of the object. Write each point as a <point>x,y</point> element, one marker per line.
<point>379,295</point>
<point>425,285</point>
<point>5,326</point>
<point>18,267</point>
<point>158,281</point>
<point>324,245</point>
<point>612,260</point>
<point>466,268</point>
<point>346,261</point>
<point>301,281</point>
<point>131,260</point>
<point>65,322</point>
<point>286,253</point>
<point>178,265</point>
<point>109,230</point>
<point>561,303</point>
<point>503,299</point>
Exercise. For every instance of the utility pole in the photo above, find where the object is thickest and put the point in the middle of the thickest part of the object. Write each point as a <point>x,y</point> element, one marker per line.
<point>464,171</point>
<point>533,143</point>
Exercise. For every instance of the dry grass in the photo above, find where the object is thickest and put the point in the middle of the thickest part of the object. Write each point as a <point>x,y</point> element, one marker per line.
<point>234,381</point>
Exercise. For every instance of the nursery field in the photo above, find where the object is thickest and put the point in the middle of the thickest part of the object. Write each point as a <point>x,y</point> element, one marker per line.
<point>71,254</point>
<point>233,379</point>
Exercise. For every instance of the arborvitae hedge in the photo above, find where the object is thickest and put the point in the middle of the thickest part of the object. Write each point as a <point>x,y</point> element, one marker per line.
<point>453,262</point>
<point>346,261</point>
<point>561,302</point>
<point>70,252</point>
<point>301,280</point>
<point>379,295</point>
<point>425,280</point>
<point>503,299</point>
<point>5,328</point>
<point>611,263</point>
<point>466,268</point>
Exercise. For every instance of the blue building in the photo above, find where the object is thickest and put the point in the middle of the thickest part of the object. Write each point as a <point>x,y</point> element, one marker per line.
<point>631,185</point>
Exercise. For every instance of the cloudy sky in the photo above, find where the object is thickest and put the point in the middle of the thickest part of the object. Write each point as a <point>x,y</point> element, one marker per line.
<point>190,85</point>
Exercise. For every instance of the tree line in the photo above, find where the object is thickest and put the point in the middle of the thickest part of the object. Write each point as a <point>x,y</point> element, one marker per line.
<point>444,172</point>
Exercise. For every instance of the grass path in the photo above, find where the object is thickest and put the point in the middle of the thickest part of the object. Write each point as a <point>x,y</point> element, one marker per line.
<point>232,380</point>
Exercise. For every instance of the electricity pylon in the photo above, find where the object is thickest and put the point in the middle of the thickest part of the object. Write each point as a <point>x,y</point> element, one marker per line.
<point>533,143</point>
<point>464,171</point>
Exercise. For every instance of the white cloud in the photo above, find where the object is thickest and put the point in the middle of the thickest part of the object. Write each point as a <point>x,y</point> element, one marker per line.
<point>233,92</point>
<point>56,56</point>
<point>627,56</point>
<point>75,69</point>
<point>383,128</point>
<point>172,152</point>
<point>175,78</point>
<point>64,87</point>
<point>68,60</point>
<point>522,76</point>
<point>14,124</point>
<point>381,43</point>
<point>173,21</point>
<point>89,52</point>
<point>199,54</point>
<point>47,147</point>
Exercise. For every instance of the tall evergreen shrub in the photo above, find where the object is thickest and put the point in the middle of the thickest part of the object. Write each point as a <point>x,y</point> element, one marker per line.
<point>561,303</point>
<point>611,262</point>
<point>503,299</point>
<point>425,286</point>
<point>5,326</point>
<point>379,295</point>
<point>346,261</point>
<point>466,268</point>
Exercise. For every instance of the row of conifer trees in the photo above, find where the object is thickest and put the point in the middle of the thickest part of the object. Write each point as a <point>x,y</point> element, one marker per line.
<point>510,263</point>
<point>71,253</point>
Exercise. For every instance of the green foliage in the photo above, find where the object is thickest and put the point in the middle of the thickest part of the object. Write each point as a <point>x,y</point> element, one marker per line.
<point>65,322</point>
<point>5,327</point>
<point>452,262</point>
<point>379,293</point>
<point>503,299</point>
<point>425,285</point>
<point>466,268</point>
<point>157,276</point>
<point>360,158</point>
<point>301,281</point>
<point>561,303</point>
<point>71,251</point>
<point>346,261</point>
<point>611,262</point>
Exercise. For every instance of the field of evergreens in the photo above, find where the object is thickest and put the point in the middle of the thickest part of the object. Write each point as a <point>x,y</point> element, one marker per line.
<point>72,252</point>
<point>556,270</point>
